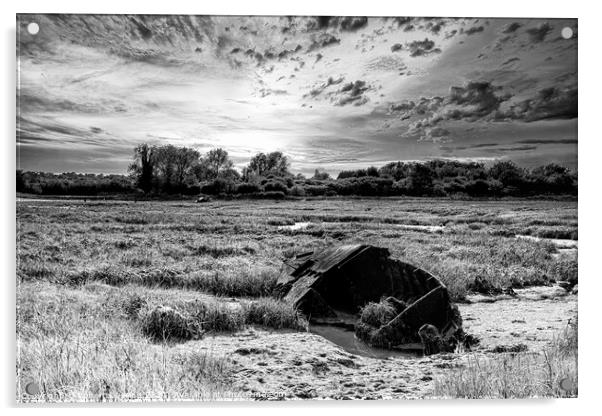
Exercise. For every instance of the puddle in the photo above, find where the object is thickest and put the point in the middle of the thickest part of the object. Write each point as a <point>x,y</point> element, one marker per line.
<point>295,226</point>
<point>346,339</point>
<point>427,228</point>
<point>558,242</point>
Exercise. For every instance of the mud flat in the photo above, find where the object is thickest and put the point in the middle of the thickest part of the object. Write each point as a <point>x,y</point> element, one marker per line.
<point>303,365</point>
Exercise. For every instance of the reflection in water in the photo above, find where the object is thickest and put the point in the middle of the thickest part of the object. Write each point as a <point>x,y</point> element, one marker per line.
<point>346,339</point>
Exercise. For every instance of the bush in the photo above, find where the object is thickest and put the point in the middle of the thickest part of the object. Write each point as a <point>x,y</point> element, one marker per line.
<point>275,186</point>
<point>217,316</point>
<point>377,314</point>
<point>268,195</point>
<point>273,313</point>
<point>297,191</point>
<point>163,323</point>
<point>316,190</point>
<point>248,188</point>
<point>218,186</point>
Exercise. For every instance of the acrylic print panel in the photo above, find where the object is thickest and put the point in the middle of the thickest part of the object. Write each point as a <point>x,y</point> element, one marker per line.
<point>248,207</point>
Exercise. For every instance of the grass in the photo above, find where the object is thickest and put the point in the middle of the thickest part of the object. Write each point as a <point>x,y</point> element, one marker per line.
<point>377,314</point>
<point>78,346</point>
<point>245,283</point>
<point>550,373</point>
<point>89,276</point>
<point>190,320</point>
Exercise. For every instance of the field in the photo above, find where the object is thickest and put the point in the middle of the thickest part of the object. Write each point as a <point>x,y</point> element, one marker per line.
<point>91,274</point>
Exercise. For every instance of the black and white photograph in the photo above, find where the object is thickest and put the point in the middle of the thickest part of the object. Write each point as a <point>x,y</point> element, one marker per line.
<point>296,207</point>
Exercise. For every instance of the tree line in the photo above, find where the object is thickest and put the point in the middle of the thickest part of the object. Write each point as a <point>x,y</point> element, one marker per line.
<point>170,170</point>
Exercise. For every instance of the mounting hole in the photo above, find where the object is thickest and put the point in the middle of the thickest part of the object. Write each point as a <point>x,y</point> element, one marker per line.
<point>32,388</point>
<point>567,32</point>
<point>33,28</point>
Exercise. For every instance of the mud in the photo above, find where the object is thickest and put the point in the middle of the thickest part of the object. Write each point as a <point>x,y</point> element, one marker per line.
<point>305,365</point>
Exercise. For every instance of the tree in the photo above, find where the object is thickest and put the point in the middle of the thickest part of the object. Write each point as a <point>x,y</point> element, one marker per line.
<point>507,173</point>
<point>258,164</point>
<point>184,159</point>
<point>275,163</point>
<point>278,164</point>
<point>420,179</point>
<point>321,175</point>
<point>21,185</point>
<point>143,167</point>
<point>165,157</point>
<point>217,161</point>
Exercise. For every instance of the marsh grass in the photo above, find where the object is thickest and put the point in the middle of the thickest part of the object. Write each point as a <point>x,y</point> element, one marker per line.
<point>272,313</point>
<point>377,314</point>
<point>163,323</point>
<point>77,347</point>
<point>191,319</point>
<point>550,373</point>
<point>180,246</point>
<point>88,274</point>
<point>240,283</point>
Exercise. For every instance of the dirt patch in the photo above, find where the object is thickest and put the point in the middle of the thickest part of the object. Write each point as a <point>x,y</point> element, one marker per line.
<point>296,365</point>
<point>519,320</point>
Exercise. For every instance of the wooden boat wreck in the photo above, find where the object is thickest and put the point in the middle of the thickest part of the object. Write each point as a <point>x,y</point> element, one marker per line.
<point>332,286</point>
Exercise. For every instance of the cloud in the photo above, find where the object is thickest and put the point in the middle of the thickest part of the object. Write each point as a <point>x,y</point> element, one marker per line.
<point>422,47</point>
<point>402,20</point>
<point>510,60</point>
<point>434,27</point>
<point>177,76</point>
<point>386,63</point>
<point>264,92</point>
<point>511,27</point>
<point>550,103</point>
<point>353,93</point>
<point>322,40</point>
<point>314,92</point>
<point>539,33</point>
<point>472,102</point>
<point>547,141</point>
<point>351,24</point>
<point>450,34</point>
<point>473,30</point>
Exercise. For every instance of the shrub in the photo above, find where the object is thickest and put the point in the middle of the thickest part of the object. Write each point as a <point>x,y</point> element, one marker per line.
<point>217,316</point>
<point>377,314</point>
<point>272,313</point>
<point>316,190</point>
<point>297,191</point>
<point>218,186</point>
<point>268,195</point>
<point>164,323</point>
<point>275,186</point>
<point>248,188</point>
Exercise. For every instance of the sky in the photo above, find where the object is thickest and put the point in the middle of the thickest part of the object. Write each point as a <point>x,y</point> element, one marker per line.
<point>332,93</point>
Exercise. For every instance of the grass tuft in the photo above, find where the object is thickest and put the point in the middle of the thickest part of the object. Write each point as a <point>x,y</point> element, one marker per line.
<point>273,313</point>
<point>551,373</point>
<point>164,323</point>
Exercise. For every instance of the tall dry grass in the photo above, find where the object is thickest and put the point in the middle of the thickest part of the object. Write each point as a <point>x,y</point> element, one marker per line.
<point>550,373</point>
<point>76,347</point>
